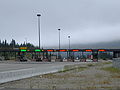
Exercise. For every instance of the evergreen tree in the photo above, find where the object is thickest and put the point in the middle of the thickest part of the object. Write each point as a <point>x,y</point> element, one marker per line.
<point>12,43</point>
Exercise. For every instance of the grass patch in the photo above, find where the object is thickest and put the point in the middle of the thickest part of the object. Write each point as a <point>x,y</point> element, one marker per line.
<point>111,69</point>
<point>107,63</point>
<point>102,63</point>
<point>76,69</point>
<point>61,76</point>
<point>107,87</point>
<point>90,65</point>
<point>70,68</point>
<point>104,82</point>
<point>90,88</point>
<point>98,75</point>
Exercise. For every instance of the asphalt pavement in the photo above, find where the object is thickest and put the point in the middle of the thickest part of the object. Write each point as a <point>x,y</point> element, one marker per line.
<point>26,65</point>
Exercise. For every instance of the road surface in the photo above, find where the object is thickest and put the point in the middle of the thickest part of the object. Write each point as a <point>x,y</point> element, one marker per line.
<point>25,65</point>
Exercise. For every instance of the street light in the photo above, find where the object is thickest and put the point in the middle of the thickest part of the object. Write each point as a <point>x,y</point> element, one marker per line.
<point>59,43</point>
<point>59,38</point>
<point>69,41</point>
<point>39,27</point>
<point>69,45</point>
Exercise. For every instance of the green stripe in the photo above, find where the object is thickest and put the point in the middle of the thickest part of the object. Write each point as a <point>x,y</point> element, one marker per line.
<point>38,50</point>
<point>23,50</point>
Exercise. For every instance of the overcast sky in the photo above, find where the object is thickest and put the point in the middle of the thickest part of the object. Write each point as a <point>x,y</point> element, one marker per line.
<point>86,21</point>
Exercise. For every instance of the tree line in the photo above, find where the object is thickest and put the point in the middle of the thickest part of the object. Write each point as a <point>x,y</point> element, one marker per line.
<point>13,44</point>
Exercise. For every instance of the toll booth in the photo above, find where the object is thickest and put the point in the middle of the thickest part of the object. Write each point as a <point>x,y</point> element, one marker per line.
<point>94,56</point>
<point>116,54</point>
<point>21,56</point>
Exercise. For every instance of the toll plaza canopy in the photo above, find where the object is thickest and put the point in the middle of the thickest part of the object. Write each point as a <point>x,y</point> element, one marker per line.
<point>57,50</point>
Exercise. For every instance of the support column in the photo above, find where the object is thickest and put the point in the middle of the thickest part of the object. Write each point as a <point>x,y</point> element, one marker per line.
<point>115,54</point>
<point>95,56</point>
<point>50,57</point>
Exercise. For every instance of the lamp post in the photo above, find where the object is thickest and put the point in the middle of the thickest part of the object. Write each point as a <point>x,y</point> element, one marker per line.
<point>69,45</point>
<point>69,41</point>
<point>59,38</point>
<point>39,27</point>
<point>59,44</point>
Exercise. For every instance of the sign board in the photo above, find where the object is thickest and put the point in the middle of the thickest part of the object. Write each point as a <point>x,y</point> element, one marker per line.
<point>23,48</point>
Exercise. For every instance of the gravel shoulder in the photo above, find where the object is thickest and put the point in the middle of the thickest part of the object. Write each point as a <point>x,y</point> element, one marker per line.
<point>89,76</point>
